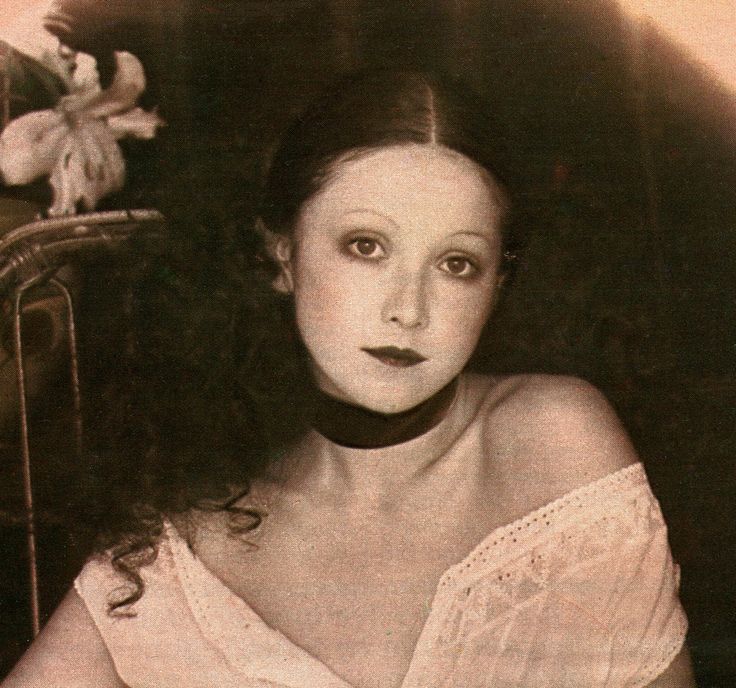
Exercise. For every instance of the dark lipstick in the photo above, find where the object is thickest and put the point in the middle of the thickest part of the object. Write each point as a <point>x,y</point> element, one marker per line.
<point>393,356</point>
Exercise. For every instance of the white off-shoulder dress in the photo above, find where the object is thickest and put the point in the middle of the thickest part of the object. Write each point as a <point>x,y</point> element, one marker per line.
<point>582,593</point>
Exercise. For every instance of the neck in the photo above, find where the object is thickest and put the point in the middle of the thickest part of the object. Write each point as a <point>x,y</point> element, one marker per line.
<point>402,450</point>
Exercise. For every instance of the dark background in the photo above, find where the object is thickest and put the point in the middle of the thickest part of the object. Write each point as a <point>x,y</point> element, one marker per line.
<point>628,153</point>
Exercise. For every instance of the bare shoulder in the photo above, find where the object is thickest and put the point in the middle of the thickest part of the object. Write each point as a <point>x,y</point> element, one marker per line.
<point>558,432</point>
<point>69,652</point>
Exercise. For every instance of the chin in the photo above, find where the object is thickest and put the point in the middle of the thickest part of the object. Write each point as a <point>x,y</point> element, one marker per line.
<point>391,406</point>
<point>392,400</point>
<point>380,396</point>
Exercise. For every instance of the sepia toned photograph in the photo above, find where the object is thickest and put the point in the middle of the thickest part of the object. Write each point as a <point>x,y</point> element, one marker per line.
<point>367,343</point>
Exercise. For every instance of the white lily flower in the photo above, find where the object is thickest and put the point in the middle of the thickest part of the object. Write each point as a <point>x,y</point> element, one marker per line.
<point>76,142</point>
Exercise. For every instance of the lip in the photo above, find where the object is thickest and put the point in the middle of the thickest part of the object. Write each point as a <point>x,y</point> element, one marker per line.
<point>396,357</point>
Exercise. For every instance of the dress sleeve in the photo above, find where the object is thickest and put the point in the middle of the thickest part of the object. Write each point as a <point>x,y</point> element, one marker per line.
<point>581,593</point>
<point>94,584</point>
<point>648,622</point>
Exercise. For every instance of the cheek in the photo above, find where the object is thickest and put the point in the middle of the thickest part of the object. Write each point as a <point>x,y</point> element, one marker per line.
<point>461,318</point>
<point>329,302</point>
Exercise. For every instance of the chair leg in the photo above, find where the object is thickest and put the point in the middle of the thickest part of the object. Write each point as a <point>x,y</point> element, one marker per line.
<point>73,363</point>
<point>26,461</point>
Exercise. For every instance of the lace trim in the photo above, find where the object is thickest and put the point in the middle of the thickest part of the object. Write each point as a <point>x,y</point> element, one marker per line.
<point>182,571</point>
<point>515,535</point>
<point>517,563</point>
<point>503,589</point>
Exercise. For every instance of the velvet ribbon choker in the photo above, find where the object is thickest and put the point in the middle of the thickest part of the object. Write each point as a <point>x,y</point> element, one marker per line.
<point>359,428</point>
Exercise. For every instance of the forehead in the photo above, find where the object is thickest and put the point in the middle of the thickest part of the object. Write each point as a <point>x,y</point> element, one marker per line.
<point>410,184</point>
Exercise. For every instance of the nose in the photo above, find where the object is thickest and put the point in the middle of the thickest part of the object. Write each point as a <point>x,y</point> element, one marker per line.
<point>406,301</point>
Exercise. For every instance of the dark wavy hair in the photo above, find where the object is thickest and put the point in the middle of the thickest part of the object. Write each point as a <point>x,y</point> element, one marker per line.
<point>212,382</point>
<point>378,109</point>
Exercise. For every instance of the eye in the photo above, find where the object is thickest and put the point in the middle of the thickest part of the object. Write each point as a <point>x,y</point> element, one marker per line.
<point>365,247</point>
<point>459,266</point>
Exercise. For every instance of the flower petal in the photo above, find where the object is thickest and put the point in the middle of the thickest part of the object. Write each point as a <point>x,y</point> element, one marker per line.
<point>127,86</point>
<point>30,145</point>
<point>91,166</point>
<point>136,122</point>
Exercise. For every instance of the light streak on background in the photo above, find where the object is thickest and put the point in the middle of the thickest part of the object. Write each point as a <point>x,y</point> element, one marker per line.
<point>706,29</point>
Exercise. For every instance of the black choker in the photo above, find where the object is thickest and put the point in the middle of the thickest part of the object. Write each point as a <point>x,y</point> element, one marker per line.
<point>359,428</point>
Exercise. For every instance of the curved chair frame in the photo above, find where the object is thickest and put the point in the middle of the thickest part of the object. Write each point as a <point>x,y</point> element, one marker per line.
<point>30,257</point>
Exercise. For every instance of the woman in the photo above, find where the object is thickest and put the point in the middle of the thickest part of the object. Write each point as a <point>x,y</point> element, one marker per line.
<point>433,527</point>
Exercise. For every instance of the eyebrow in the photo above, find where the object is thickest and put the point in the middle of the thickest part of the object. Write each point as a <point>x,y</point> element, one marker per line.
<point>485,238</point>
<point>369,211</point>
<point>387,218</point>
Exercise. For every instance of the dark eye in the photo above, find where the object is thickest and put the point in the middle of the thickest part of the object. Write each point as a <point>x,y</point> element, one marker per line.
<point>366,247</point>
<point>458,266</point>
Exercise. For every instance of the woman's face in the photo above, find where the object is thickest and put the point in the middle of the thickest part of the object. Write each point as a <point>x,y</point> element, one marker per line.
<point>394,266</point>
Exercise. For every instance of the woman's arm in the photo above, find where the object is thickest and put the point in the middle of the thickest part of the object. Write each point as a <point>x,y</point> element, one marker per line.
<point>679,674</point>
<point>69,652</point>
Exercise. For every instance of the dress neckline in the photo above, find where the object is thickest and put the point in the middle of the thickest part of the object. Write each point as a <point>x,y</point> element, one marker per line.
<point>501,543</point>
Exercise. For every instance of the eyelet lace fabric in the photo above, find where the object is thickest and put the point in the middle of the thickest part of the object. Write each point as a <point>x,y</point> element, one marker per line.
<point>582,592</point>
